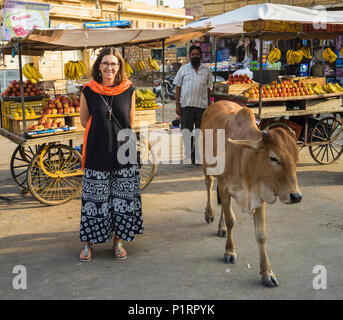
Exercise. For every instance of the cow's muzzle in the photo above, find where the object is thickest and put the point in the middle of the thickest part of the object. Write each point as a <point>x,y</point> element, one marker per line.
<point>295,197</point>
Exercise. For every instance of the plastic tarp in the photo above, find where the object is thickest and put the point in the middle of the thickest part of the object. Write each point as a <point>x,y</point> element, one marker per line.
<point>39,40</point>
<point>231,22</point>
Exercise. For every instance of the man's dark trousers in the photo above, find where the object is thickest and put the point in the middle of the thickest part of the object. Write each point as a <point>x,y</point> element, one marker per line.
<point>191,119</point>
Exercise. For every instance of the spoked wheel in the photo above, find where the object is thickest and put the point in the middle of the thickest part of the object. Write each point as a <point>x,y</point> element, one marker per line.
<point>54,176</point>
<point>20,162</point>
<point>328,134</point>
<point>147,167</point>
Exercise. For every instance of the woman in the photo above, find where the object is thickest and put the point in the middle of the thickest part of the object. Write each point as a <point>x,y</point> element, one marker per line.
<point>111,200</point>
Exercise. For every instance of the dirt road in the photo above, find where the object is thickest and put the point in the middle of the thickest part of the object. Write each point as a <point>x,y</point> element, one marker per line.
<point>179,256</point>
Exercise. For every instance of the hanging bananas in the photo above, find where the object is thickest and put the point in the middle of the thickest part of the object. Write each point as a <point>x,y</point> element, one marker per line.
<point>306,52</point>
<point>294,57</point>
<point>329,55</point>
<point>274,55</point>
<point>140,65</point>
<point>153,63</point>
<point>31,73</point>
<point>128,69</point>
<point>73,70</point>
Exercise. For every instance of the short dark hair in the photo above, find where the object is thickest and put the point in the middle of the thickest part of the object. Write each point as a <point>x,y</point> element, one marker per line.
<point>194,48</point>
<point>96,74</point>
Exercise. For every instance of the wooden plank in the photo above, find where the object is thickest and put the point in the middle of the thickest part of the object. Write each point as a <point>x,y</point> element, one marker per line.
<point>274,112</point>
<point>318,96</point>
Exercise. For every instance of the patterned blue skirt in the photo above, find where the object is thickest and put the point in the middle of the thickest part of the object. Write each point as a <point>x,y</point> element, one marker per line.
<point>111,202</point>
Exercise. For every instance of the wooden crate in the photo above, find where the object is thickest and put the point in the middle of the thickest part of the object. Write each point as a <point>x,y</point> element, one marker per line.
<point>144,117</point>
<point>222,88</point>
<point>17,126</point>
<point>320,80</point>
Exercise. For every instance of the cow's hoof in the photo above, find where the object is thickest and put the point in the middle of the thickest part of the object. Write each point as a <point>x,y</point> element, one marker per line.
<point>270,281</point>
<point>209,220</point>
<point>230,258</point>
<point>221,233</point>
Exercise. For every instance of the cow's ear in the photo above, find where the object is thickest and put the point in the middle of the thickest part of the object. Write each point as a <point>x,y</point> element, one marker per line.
<point>253,144</point>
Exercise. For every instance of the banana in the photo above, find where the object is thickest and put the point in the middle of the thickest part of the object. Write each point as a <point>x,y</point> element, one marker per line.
<point>83,66</point>
<point>306,52</point>
<point>274,55</point>
<point>339,88</point>
<point>26,73</point>
<point>329,55</point>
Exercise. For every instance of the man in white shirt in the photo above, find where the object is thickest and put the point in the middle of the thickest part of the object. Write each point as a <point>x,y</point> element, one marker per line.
<point>193,91</point>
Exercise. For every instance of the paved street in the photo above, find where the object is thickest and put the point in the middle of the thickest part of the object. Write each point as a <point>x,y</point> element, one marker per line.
<point>179,256</point>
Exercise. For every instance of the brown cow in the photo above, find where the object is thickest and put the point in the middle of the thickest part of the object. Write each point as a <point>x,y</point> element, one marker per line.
<point>259,167</point>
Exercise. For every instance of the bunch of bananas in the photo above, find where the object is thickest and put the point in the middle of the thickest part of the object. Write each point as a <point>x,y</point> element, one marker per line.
<point>294,57</point>
<point>73,70</point>
<point>31,73</point>
<point>317,88</point>
<point>140,65</point>
<point>274,55</point>
<point>128,69</point>
<point>153,64</point>
<point>306,52</point>
<point>145,99</point>
<point>329,55</point>
<point>332,88</point>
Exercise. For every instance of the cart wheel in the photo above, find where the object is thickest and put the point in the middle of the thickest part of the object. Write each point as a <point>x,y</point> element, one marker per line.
<point>329,132</point>
<point>20,161</point>
<point>147,168</point>
<point>58,159</point>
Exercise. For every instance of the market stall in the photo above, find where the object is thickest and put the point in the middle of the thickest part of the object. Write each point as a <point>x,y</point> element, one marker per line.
<point>44,126</point>
<point>292,102</point>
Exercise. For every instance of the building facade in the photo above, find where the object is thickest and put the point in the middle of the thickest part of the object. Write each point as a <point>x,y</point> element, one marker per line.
<point>66,13</point>
<point>208,8</point>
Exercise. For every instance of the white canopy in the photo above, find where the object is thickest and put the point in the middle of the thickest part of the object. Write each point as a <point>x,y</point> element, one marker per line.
<point>232,22</point>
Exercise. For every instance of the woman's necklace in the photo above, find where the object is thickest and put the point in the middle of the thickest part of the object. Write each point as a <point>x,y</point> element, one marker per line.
<point>109,106</point>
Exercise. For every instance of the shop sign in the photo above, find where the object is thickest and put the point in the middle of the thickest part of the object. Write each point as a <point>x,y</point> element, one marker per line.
<point>21,17</point>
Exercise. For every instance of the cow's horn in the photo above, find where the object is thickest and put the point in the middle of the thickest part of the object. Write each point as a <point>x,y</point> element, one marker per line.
<point>246,143</point>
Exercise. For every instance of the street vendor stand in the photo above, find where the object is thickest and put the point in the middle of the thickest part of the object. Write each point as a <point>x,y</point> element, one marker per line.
<point>323,136</point>
<point>46,163</point>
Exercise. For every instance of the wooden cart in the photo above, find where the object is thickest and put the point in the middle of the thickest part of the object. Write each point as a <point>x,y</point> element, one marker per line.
<point>50,168</point>
<point>317,121</point>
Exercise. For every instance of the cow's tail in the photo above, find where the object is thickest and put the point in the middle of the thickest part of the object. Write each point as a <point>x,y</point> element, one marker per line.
<point>218,197</point>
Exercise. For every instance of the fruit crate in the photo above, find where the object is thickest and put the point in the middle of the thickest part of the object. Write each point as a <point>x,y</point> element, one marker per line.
<point>10,106</point>
<point>320,80</point>
<point>144,117</point>
<point>17,126</point>
<point>222,88</point>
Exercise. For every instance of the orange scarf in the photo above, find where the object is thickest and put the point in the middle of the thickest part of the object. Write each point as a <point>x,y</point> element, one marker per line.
<point>108,91</point>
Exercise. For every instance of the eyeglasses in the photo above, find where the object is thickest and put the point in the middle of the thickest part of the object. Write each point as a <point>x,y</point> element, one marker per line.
<point>113,65</point>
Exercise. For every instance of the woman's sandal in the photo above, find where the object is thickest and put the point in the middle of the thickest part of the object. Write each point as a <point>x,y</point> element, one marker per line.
<point>117,245</point>
<point>86,253</point>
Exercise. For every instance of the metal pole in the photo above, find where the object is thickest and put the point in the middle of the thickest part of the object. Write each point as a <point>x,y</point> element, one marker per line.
<point>260,79</point>
<point>163,76</point>
<point>21,86</point>
<point>216,53</point>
